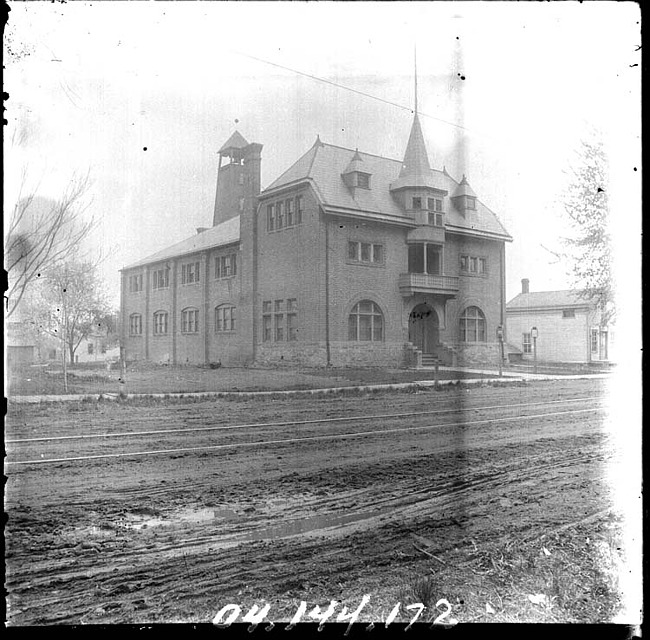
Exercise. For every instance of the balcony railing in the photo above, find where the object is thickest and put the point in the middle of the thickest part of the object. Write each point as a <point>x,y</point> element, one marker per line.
<point>412,283</point>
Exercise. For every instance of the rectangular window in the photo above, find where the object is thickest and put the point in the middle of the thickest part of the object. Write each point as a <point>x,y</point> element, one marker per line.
<point>366,252</point>
<point>266,306</point>
<point>594,341</point>
<point>438,204</point>
<point>225,266</point>
<point>433,260</point>
<point>363,180</point>
<point>266,328</point>
<point>224,318</point>
<point>159,324</point>
<point>473,265</point>
<point>292,319</point>
<point>190,321</point>
<point>135,325</point>
<point>288,208</point>
<point>279,215</point>
<point>135,283</point>
<point>526,343</point>
<point>91,348</point>
<point>568,313</point>
<point>278,309</point>
<point>299,209</point>
<point>417,203</point>
<point>471,203</point>
<point>434,204</point>
<point>416,258</point>
<point>160,279</point>
<point>270,217</point>
<point>190,273</point>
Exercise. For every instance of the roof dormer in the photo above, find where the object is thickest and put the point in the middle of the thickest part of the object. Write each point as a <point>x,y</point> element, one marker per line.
<point>355,175</point>
<point>464,198</point>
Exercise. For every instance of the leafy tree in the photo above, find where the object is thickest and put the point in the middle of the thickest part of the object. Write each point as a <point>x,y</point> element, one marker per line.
<point>587,248</point>
<point>68,304</point>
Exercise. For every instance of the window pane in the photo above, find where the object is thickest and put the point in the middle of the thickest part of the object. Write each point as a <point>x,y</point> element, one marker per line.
<point>417,203</point>
<point>378,328</point>
<point>365,252</point>
<point>266,306</point>
<point>433,260</point>
<point>365,327</point>
<point>352,327</point>
<point>377,253</point>
<point>416,258</point>
<point>365,306</point>
<point>353,250</point>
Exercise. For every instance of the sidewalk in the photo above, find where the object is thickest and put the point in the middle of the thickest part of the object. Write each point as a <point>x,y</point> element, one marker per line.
<point>507,378</point>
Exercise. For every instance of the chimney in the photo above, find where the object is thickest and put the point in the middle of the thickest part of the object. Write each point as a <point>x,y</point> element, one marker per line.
<point>524,285</point>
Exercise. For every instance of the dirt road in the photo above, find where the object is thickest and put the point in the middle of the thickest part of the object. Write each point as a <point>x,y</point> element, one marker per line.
<point>167,512</point>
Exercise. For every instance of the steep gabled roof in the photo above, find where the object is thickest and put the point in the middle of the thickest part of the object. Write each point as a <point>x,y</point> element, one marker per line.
<point>547,299</point>
<point>323,165</point>
<point>225,233</point>
<point>463,189</point>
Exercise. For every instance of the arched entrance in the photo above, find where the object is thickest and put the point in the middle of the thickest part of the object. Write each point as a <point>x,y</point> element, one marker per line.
<point>424,328</point>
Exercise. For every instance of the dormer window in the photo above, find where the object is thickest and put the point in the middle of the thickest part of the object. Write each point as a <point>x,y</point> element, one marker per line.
<point>470,203</point>
<point>363,180</point>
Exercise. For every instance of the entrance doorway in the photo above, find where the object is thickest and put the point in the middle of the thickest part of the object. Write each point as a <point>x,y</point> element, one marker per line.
<point>424,328</point>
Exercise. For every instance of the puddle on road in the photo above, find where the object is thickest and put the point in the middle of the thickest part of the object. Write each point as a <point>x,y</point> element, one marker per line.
<point>187,516</point>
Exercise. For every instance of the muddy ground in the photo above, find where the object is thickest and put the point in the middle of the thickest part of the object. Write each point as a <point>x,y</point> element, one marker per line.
<point>495,500</point>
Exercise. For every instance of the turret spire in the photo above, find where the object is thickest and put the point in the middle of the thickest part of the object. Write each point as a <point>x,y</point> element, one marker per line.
<point>415,64</point>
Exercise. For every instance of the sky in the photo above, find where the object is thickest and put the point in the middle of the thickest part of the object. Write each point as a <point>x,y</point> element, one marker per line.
<point>141,95</point>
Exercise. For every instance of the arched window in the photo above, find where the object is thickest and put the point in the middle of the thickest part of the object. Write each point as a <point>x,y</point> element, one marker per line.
<point>472,325</point>
<point>366,322</point>
<point>190,320</point>
<point>135,324</point>
<point>160,323</point>
<point>224,318</point>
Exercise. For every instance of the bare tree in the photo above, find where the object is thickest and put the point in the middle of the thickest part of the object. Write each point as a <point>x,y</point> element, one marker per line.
<point>39,238</point>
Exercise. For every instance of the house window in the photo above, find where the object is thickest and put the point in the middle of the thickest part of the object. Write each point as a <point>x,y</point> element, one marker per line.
<point>135,283</point>
<point>190,273</point>
<point>473,265</point>
<point>190,321</point>
<point>417,203</point>
<point>279,215</point>
<point>160,323</point>
<point>160,279</point>
<point>472,325</point>
<point>363,180</point>
<point>471,203</point>
<point>225,266</point>
<point>278,317</point>
<point>436,219</point>
<point>568,313</point>
<point>267,320</point>
<point>594,341</point>
<point>292,319</point>
<point>366,322</point>
<point>135,324</point>
<point>288,208</point>
<point>526,343</point>
<point>434,204</point>
<point>91,348</point>
<point>270,217</point>
<point>366,252</point>
<point>299,209</point>
<point>224,318</point>
<point>416,256</point>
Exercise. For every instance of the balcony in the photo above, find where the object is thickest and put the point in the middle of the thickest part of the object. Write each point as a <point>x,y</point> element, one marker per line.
<point>412,283</point>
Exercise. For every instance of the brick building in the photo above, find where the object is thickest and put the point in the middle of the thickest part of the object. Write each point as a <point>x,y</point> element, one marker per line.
<point>347,258</point>
<point>569,328</point>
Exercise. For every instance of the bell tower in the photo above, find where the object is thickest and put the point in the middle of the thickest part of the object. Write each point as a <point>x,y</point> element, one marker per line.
<point>238,178</point>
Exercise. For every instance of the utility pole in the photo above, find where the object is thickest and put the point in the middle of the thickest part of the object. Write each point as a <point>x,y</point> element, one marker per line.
<point>534,333</point>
